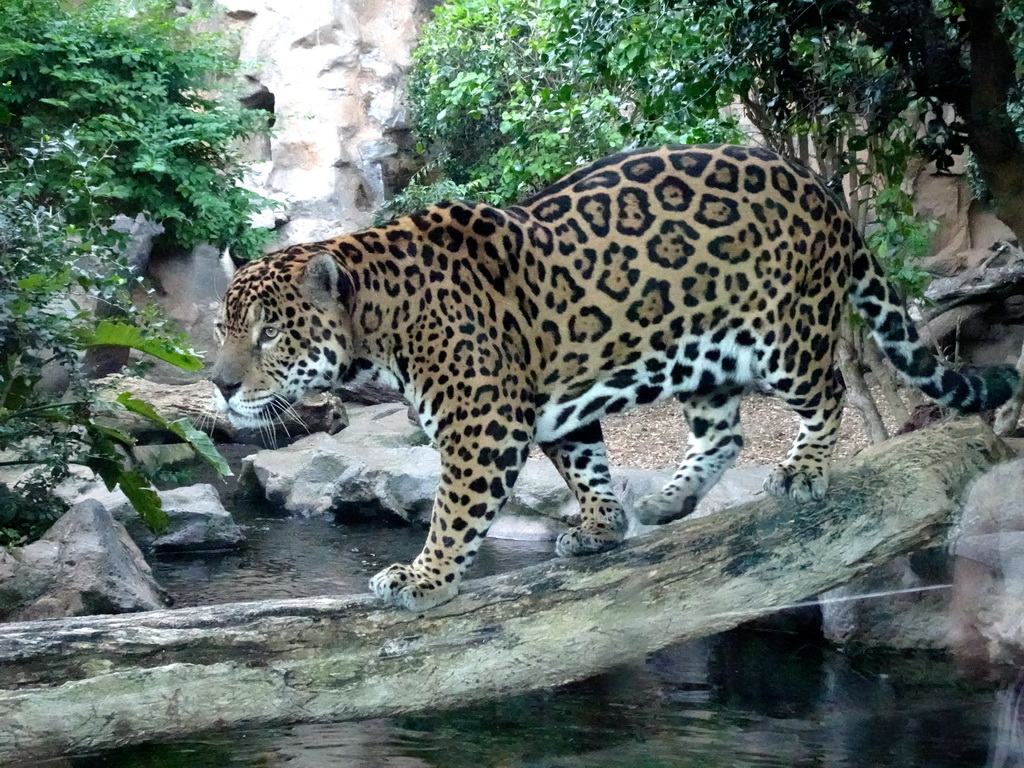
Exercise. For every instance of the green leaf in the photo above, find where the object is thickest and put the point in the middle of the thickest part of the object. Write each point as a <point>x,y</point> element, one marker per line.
<point>123,335</point>
<point>200,442</point>
<point>144,499</point>
<point>113,434</point>
<point>142,408</point>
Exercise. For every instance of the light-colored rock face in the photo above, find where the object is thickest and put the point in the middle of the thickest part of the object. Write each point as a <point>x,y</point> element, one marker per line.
<point>333,71</point>
<point>987,618</point>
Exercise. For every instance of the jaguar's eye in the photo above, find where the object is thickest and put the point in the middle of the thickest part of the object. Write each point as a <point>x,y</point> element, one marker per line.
<point>269,333</point>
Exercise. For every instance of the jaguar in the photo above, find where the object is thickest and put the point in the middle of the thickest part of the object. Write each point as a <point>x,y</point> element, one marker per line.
<point>695,272</point>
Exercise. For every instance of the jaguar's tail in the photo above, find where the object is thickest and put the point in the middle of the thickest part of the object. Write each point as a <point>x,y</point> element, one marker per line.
<point>967,390</point>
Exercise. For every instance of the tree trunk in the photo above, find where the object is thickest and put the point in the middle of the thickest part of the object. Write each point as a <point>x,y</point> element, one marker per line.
<point>857,392</point>
<point>993,134</point>
<point>93,682</point>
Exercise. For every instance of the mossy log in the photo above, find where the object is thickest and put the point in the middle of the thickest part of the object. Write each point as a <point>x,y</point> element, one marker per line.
<point>92,682</point>
<point>319,413</point>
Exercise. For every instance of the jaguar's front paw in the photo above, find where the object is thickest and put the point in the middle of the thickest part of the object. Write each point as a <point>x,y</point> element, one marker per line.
<point>412,589</point>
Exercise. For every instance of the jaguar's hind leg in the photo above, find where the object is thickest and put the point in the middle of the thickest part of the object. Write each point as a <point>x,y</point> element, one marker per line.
<point>803,474</point>
<point>582,461</point>
<point>715,441</point>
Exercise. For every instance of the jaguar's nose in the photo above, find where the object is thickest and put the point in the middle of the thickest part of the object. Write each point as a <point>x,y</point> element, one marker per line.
<point>227,388</point>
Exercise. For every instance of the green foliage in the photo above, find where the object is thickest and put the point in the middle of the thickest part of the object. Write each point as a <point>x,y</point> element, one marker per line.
<point>814,83</point>
<point>515,93</point>
<point>132,89</point>
<point>44,330</point>
<point>901,240</point>
<point>428,187</point>
<point>107,107</point>
<point>198,440</point>
<point>119,334</point>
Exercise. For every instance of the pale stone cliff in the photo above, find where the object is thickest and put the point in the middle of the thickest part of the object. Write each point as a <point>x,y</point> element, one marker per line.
<point>332,74</point>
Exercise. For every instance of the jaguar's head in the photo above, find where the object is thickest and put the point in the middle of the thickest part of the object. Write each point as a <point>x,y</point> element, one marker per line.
<point>285,330</point>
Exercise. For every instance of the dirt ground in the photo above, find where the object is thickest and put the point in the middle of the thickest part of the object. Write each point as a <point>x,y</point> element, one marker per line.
<point>654,437</point>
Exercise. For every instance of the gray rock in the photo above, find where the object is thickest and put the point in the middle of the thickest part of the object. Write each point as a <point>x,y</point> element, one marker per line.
<point>198,520</point>
<point>321,474</point>
<point>967,599</point>
<point>383,462</point>
<point>987,596</point>
<point>141,232</point>
<point>85,564</point>
<point>10,596</point>
<point>380,462</point>
<point>738,485</point>
<point>894,606</point>
<point>519,528</point>
<point>540,492</point>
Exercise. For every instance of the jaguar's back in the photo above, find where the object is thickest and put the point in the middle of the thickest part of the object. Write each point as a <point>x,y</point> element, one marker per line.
<point>682,270</point>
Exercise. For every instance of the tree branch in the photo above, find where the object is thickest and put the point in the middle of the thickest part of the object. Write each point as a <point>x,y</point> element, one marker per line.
<point>93,682</point>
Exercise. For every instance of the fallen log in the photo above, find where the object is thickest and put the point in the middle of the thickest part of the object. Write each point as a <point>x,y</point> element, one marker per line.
<point>997,278</point>
<point>92,682</point>
<point>319,413</point>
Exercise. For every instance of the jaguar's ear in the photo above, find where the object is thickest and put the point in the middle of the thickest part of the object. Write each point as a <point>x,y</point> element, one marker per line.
<point>324,283</point>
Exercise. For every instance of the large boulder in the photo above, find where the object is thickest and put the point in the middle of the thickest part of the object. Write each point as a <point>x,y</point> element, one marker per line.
<point>987,598</point>
<point>198,520</point>
<point>85,564</point>
<point>901,605</point>
<point>966,598</point>
<point>382,461</point>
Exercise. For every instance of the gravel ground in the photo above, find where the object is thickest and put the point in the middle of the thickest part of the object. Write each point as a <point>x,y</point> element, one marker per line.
<point>654,437</point>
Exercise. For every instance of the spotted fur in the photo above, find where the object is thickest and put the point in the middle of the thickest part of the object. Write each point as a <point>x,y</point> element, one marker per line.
<point>693,272</point>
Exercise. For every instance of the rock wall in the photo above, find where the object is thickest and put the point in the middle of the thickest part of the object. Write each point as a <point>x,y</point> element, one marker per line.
<point>966,230</point>
<point>331,74</point>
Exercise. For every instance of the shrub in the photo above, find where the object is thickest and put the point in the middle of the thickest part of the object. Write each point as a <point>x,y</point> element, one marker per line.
<point>135,87</point>
<point>107,107</point>
<point>515,93</point>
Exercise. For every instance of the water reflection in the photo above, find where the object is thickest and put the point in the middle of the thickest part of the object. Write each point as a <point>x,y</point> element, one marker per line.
<point>290,558</point>
<point>740,700</point>
<point>1008,727</point>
